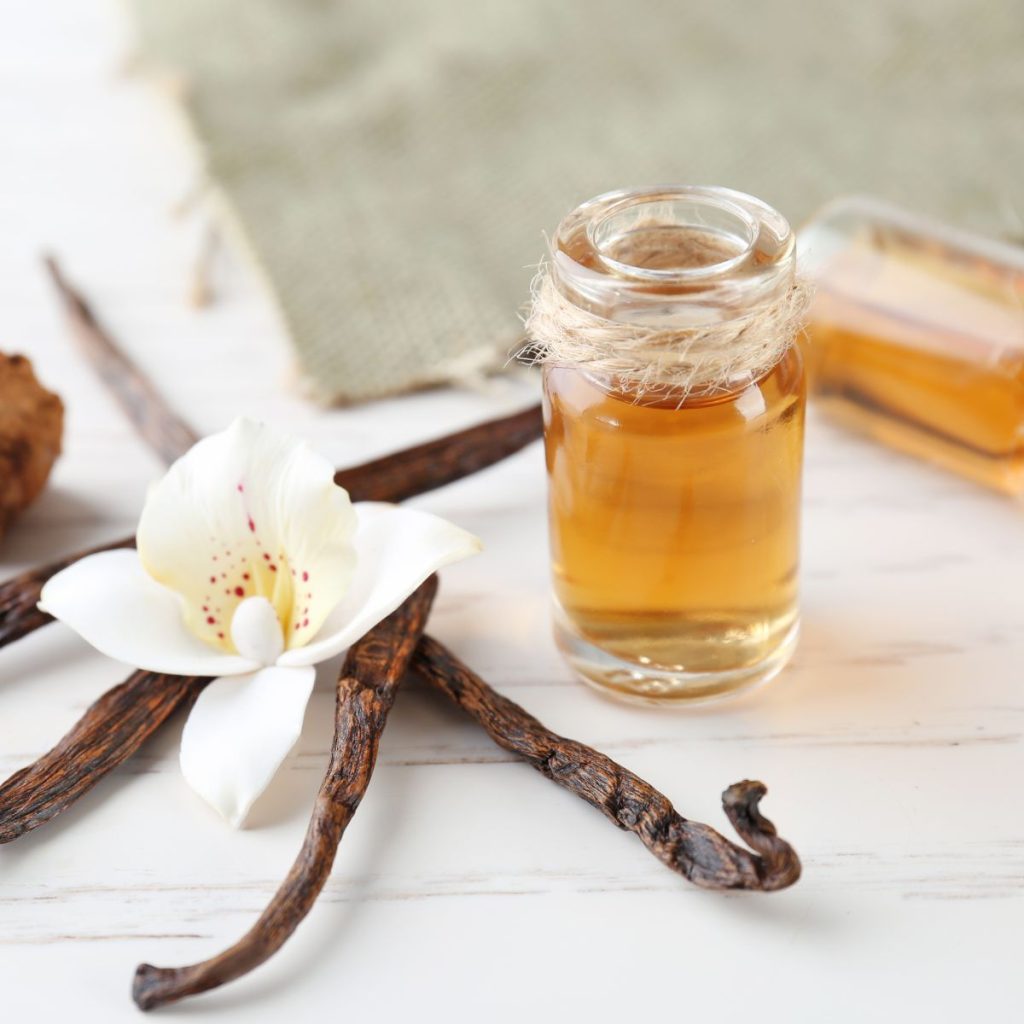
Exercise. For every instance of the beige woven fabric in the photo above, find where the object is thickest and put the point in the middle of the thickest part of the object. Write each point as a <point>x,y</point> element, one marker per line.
<point>394,164</point>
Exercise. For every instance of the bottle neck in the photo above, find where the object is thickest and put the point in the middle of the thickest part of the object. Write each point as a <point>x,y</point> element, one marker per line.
<point>681,256</point>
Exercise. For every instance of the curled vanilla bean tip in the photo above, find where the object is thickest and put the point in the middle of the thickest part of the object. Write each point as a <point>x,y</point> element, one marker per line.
<point>695,851</point>
<point>147,985</point>
<point>369,680</point>
<point>780,865</point>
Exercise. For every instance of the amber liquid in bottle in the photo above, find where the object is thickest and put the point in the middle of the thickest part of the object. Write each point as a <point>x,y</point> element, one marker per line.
<point>923,349</point>
<point>675,530</point>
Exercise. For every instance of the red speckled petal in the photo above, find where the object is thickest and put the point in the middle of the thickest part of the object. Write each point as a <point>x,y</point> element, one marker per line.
<point>250,512</point>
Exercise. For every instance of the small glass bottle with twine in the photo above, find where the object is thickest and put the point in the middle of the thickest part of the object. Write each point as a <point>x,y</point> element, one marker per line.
<point>674,410</point>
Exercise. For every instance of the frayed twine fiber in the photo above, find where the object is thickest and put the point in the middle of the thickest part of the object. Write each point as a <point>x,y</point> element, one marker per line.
<point>655,360</point>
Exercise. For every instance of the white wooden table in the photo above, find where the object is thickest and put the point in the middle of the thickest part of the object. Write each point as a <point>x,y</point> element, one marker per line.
<point>468,888</point>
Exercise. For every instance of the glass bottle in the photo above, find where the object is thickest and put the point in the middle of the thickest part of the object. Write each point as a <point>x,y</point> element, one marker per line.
<point>674,513</point>
<point>916,336</point>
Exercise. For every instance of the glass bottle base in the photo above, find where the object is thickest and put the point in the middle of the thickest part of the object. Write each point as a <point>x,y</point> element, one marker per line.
<point>645,684</point>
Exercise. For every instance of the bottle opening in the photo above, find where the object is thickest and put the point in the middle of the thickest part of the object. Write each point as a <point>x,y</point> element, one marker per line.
<point>683,253</point>
<point>672,237</point>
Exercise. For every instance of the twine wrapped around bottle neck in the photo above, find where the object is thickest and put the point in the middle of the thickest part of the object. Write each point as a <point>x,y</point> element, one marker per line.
<point>705,359</point>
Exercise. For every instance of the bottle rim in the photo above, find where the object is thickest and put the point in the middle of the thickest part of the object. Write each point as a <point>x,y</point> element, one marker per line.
<point>755,260</point>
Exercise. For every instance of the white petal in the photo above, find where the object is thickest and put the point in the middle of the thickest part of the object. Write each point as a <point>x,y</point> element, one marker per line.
<point>250,512</point>
<point>239,732</point>
<point>110,601</point>
<point>396,550</point>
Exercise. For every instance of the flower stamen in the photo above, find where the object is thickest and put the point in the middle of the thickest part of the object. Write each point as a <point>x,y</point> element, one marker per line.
<point>256,631</point>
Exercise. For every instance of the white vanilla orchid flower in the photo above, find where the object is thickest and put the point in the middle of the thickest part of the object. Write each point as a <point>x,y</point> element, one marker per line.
<point>252,566</point>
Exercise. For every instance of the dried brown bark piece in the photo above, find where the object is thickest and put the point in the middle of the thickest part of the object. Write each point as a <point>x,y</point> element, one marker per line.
<point>366,691</point>
<point>31,425</point>
<point>395,477</point>
<point>695,851</point>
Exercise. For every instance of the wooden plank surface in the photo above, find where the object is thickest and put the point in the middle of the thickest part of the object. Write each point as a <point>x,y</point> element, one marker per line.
<point>467,887</point>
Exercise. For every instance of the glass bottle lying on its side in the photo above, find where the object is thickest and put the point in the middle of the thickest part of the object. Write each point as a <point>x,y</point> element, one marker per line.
<point>916,336</point>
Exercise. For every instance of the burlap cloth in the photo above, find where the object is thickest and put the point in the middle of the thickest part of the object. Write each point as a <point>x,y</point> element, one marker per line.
<point>392,163</point>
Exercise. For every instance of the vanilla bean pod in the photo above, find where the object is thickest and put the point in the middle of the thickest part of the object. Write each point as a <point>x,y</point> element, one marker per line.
<point>366,690</point>
<point>696,851</point>
<point>395,477</point>
<point>19,614</point>
<point>36,793</point>
<point>110,731</point>
<point>166,433</point>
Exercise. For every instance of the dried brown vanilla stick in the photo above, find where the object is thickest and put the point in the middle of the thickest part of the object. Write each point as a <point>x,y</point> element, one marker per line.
<point>19,615</point>
<point>366,690</point>
<point>696,851</point>
<point>425,467</point>
<point>395,477</point>
<point>113,728</point>
<point>42,790</point>
<point>162,430</point>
